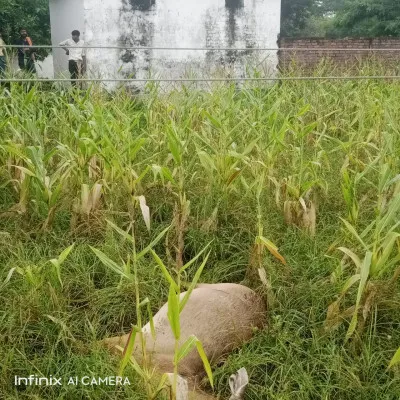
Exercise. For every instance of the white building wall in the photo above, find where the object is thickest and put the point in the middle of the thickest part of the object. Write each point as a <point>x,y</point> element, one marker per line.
<point>65,16</point>
<point>169,23</point>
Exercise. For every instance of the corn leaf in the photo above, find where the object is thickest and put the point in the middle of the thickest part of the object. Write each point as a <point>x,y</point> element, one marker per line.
<point>206,161</point>
<point>164,270</point>
<point>391,214</point>
<point>124,234</point>
<point>173,312</point>
<point>351,229</point>
<point>111,264</point>
<point>352,255</point>
<point>160,386</point>
<point>59,261</point>
<point>24,170</point>
<point>63,256</point>
<point>387,246</point>
<point>193,284</point>
<point>349,283</point>
<point>174,145</point>
<point>365,270</point>
<point>152,244</point>
<point>186,348</point>
<point>127,353</point>
<point>272,248</point>
<point>396,359</point>
<point>206,363</point>
<point>188,264</point>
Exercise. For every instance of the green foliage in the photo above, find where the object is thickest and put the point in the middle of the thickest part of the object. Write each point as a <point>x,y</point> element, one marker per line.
<point>369,18</point>
<point>30,14</point>
<point>341,18</point>
<point>285,136</point>
<point>294,16</point>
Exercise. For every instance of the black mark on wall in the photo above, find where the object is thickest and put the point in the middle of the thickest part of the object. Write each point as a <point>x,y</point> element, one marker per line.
<point>234,4</point>
<point>142,5</point>
<point>233,8</point>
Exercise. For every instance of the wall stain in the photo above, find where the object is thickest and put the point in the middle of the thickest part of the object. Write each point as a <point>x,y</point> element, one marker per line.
<point>142,5</point>
<point>234,4</point>
<point>135,16</point>
<point>231,24</point>
<point>233,10</point>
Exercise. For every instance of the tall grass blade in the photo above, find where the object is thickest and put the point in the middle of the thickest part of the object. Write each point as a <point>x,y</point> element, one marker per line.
<point>365,270</point>
<point>193,284</point>
<point>164,270</point>
<point>111,264</point>
<point>351,229</point>
<point>142,253</point>
<point>206,363</point>
<point>352,255</point>
<point>128,350</point>
<point>189,345</point>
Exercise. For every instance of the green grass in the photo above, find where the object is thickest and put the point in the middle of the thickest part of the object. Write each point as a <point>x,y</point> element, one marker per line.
<point>212,146</point>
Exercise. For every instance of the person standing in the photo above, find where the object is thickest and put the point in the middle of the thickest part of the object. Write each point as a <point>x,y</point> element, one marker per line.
<point>3,62</point>
<point>26,55</point>
<point>74,49</point>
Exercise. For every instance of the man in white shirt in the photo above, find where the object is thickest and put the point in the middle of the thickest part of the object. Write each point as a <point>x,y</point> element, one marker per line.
<point>74,48</point>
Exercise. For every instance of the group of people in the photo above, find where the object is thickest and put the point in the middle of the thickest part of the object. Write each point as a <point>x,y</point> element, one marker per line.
<point>26,55</point>
<point>74,49</point>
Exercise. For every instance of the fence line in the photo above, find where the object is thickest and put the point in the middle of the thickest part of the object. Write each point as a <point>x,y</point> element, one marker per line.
<point>204,49</point>
<point>295,78</point>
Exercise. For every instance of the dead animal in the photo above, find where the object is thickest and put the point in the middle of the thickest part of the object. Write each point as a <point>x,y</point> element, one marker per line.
<point>222,316</point>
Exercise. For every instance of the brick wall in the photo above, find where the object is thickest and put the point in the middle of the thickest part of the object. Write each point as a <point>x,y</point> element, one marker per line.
<point>310,59</point>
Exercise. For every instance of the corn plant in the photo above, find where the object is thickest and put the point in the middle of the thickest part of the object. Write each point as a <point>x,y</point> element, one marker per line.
<point>350,181</point>
<point>260,244</point>
<point>176,304</point>
<point>349,195</point>
<point>34,273</point>
<point>297,192</point>
<point>377,271</point>
<point>175,307</point>
<point>88,202</point>
<point>126,274</point>
<point>32,180</point>
<point>224,166</point>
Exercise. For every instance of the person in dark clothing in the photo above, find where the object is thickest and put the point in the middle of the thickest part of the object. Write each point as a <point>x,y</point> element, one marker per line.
<point>26,55</point>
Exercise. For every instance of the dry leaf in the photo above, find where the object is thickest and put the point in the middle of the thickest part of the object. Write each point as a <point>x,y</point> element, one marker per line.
<point>310,219</point>
<point>145,211</point>
<point>369,301</point>
<point>86,205</point>
<point>272,249</point>
<point>96,196</point>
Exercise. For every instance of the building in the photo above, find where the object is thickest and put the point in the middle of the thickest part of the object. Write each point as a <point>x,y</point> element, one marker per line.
<point>169,23</point>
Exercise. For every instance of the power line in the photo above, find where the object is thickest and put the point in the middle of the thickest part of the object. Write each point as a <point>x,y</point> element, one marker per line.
<point>295,78</point>
<point>205,49</point>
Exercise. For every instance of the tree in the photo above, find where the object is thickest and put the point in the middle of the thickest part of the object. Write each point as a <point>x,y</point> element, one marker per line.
<point>327,8</point>
<point>294,16</point>
<point>340,18</point>
<point>368,18</point>
<point>33,15</point>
